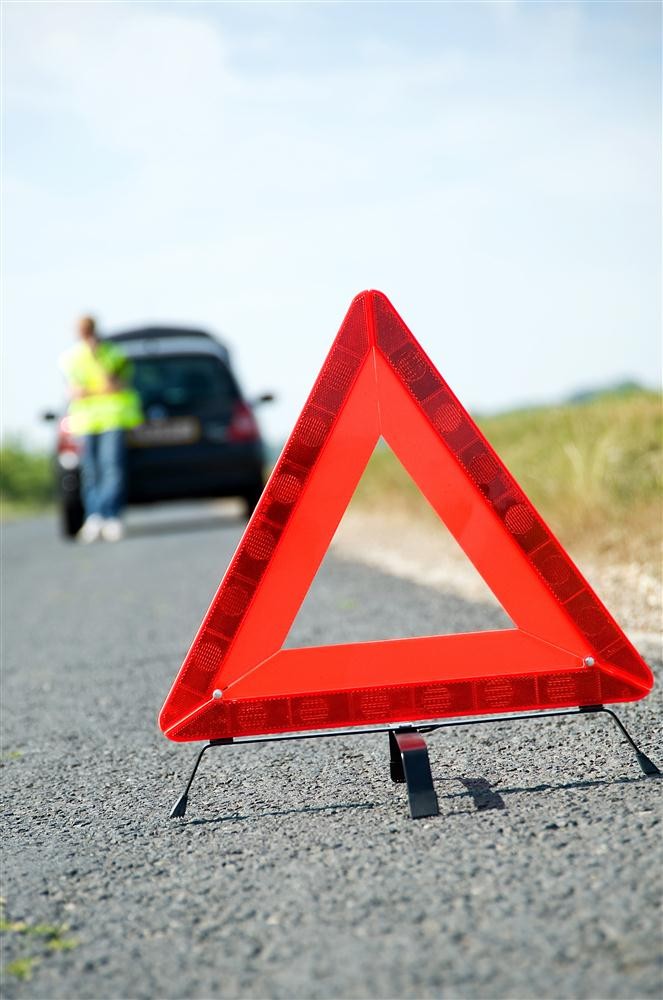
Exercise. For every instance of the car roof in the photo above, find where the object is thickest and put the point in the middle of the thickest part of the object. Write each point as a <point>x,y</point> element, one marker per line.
<point>151,340</point>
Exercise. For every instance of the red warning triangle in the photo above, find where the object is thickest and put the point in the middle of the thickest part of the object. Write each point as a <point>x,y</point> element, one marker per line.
<point>565,649</point>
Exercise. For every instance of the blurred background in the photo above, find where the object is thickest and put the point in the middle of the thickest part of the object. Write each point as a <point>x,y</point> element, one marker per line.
<point>245,169</point>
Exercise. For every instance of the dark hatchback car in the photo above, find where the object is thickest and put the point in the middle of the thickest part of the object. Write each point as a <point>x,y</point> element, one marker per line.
<point>200,438</point>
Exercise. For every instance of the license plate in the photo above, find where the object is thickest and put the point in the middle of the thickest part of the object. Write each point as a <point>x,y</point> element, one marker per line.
<point>178,430</point>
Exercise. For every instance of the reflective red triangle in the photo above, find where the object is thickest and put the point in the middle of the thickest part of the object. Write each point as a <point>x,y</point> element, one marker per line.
<point>565,650</point>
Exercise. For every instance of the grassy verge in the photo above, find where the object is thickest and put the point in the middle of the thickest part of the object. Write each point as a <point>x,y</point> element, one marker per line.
<point>26,480</point>
<point>594,471</point>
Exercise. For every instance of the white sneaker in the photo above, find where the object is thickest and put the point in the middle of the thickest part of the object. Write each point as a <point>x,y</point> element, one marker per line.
<point>112,530</point>
<point>91,530</point>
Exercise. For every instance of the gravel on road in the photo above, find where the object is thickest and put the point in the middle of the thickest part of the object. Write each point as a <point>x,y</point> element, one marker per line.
<point>297,871</point>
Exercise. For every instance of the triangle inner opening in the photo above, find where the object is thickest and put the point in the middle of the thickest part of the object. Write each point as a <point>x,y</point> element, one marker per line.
<point>393,570</point>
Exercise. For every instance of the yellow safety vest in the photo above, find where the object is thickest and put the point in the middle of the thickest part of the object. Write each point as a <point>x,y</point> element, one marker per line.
<point>101,411</point>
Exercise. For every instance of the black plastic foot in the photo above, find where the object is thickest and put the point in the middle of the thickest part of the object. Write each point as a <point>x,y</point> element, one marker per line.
<point>409,763</point>
<point>647,766</point>
<point>179,809</point>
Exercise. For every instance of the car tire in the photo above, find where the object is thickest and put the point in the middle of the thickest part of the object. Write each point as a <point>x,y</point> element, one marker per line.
<point>251,499</point>
<point>71,518</point>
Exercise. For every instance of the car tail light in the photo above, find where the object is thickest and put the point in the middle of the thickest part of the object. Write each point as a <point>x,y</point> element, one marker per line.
<point>243,426</point>
<point>69,447</point>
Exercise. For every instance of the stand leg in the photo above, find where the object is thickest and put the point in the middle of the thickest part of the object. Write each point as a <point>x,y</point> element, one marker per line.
<point>647,766</point>
<point>396,771</point>
<point>179,809</point>
<point>409,758</point>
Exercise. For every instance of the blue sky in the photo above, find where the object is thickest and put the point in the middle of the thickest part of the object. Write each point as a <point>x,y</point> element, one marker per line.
<point>494,168</point>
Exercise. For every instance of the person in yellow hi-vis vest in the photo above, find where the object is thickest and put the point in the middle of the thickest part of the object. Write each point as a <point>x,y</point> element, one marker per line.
<point>102,407</point>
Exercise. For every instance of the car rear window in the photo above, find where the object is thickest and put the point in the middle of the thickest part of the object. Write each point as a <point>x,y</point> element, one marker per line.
<point>183,382</point>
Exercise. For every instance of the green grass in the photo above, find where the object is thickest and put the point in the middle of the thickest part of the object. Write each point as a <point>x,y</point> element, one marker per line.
<point>24,936</point>
<point>26,480</point>
<point>594,471</point>
<point>21,968</point>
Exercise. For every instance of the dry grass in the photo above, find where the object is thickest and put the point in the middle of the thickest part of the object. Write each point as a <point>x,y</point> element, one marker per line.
<point>594,471</point>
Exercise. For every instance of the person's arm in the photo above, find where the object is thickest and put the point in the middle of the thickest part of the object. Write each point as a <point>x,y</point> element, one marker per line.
<point>118,373</point>
<point>114,383</point>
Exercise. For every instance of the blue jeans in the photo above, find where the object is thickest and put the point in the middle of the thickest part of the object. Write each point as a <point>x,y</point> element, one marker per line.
<point>103,473</point>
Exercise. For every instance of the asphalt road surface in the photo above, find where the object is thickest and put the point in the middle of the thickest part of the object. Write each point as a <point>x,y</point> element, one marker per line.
<point>297,871</point>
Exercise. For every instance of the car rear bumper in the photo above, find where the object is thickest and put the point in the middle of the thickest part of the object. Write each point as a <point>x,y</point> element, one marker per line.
<point>201,470</point>
<point>179,473</point>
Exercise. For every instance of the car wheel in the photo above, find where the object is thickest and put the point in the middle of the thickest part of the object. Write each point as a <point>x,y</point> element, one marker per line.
<point>251,499</point>
<point>71,518</point>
